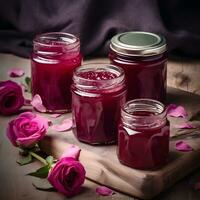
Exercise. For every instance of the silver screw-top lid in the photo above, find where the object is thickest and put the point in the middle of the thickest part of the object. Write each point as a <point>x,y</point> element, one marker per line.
<point>138,44</point>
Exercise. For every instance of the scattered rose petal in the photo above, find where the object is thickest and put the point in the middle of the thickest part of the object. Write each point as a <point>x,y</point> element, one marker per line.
<point>16,72</point>
<point>185,125</point>
<point>56,115</point>
<point>176,111</point>
<point>197,186</point>
<point>37,103</point>
<point>73,152</point>
<point>104,191</point>
<point>27,102</point>
<point>66,125</point>
<point>183,146</point>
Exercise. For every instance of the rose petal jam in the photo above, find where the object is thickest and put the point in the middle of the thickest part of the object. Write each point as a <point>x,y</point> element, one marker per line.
<point>143,57</point>
<point>98,92</point>
<point>54,58</point>
<point>143,134</point>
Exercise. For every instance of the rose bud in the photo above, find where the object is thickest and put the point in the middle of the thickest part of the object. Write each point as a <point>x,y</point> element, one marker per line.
<point>27,129</point>
<point>11,97</point>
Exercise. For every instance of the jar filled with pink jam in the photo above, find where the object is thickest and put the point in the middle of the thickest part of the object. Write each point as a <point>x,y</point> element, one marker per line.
<point>98,92</point>
<point>143,134</point>
<point>55,56</point>
<point>143,57</point>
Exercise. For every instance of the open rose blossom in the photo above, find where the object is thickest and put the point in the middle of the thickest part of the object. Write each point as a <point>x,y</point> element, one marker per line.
<point>11,97</point>
<point>27,129</point>
<point>68,174</point>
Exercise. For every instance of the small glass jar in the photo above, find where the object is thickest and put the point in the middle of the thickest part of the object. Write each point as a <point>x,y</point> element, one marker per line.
<point>143,134</point>
<point>143,57</point>
<point>54,57</point>
<point>98,92</point>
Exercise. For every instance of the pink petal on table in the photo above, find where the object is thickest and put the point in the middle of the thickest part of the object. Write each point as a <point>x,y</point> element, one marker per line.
<point>65,126</point>
<point>185,125</point>
<point>56,115</point>
<point>104,191</point>
<point>73,152</point>
<point>183,146</point>
<point>37,103</point>
<point>16,72</point>
<point>197,186</point>
<point>176,111</point>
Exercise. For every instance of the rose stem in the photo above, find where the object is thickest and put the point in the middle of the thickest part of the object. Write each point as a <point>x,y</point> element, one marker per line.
<point>38,157</point>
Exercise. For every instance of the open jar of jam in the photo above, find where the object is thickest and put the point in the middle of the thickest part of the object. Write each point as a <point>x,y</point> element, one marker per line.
<point>143,134</point>
<point>98,92</point>
<point>54,57</point>
<point>143,57</point>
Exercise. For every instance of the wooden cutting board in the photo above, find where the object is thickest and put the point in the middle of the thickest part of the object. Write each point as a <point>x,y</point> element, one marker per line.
<point>102,165</point>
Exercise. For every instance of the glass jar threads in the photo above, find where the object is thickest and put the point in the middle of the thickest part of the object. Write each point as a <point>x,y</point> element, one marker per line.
<point>98,92</point>
<point>143,57</point>
<point>143,134</point>
<point>54,57</point>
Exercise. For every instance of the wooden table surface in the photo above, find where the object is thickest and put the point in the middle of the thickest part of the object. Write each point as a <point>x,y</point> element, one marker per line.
<point>15,185</point>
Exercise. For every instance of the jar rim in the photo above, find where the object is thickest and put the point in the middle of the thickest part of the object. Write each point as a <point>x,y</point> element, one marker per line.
<point>138,43</point>
<point>61,38</point>
<point>85,83</point>
<point>136,118</point>
<point>157,105</point>
<point>121,71</point>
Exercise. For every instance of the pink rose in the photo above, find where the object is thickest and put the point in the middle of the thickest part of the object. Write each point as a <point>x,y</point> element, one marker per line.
<point>11,97</point>
<point>68,174</point>
<point>27,129</point>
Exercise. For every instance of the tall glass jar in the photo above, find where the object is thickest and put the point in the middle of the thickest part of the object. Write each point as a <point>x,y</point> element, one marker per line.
<point>143,57</point>
<point>98,92</point>
<point>55,56</point>
<point>143,134</point>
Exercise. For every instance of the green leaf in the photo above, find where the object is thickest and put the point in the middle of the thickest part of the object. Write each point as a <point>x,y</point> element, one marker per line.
<point>28,83</point>
<point>23,152</point>
<point>195,117</point>
<point>24,160</point>
<point>50,160</point>
<point>43,185</point>
<point>41,172</point>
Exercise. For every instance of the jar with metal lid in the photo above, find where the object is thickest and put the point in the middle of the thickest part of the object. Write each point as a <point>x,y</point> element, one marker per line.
<point>55,56</point>
<point>143,57</point>
<point>143,134</point>
<point>98,92</point>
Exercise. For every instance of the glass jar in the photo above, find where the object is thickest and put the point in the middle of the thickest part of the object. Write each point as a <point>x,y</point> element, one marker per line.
<point>54,57</point>
<point>143,134</point>
<point>143,57</point>
<point>98,92</point>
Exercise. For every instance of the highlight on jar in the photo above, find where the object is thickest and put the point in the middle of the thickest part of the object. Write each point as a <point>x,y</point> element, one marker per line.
<point>98,92</point>
<point>143,56</point>
<point>143,134</point>
<point>55,56</point>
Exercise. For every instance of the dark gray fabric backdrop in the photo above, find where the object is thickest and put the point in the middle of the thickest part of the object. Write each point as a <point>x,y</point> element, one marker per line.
<point>96,21</point>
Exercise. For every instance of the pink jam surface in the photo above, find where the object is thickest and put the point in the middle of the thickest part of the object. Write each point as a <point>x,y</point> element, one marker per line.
<point>96,115</point>
<point>146,77</point>
<point>52,78</point>
<point>103,75</point>
<point>143,148</point>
